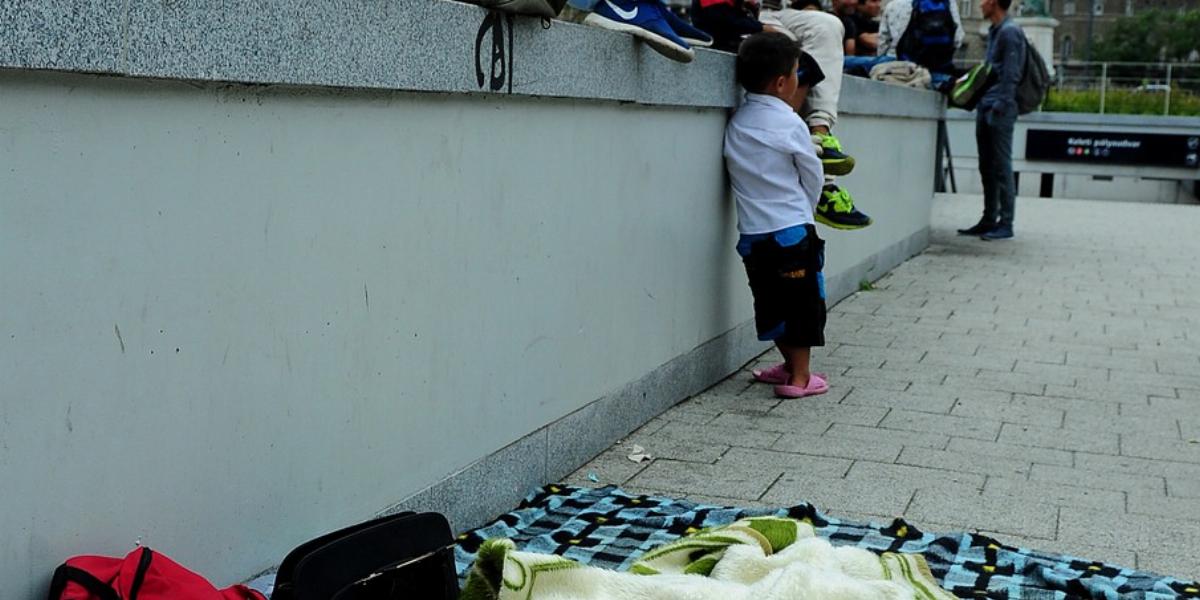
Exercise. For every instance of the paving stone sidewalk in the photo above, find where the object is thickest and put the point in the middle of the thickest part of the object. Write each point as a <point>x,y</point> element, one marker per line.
<point>1045,391</point>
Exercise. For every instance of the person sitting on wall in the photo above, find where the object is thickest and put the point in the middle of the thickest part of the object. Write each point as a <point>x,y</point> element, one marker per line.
<point>727,21</point>
<point>820,35</point>
<point>856,62</point>
<point>866,22</point>
<point>776,179</point>
<point>649,21</point>
<point>925,32</point>
<point>845,10</point>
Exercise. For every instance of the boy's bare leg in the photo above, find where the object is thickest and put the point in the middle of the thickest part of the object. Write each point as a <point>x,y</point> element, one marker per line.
<point>796,361</point>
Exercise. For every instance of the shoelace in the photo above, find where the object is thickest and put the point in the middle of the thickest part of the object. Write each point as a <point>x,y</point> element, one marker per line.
<point>831,143</point>
<point>840,201</point>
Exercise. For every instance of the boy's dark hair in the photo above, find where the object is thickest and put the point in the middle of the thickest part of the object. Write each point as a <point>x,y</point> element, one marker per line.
<point>763,57</point>
<point>1004,4</point>
<point>802,4</point>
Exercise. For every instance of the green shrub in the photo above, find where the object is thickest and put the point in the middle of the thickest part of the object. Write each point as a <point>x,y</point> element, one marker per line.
<point>1123,102</point>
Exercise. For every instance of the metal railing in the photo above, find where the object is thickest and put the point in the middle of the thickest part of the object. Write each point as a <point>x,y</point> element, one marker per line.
<point>1144,82</point>
<point>1125,87</point>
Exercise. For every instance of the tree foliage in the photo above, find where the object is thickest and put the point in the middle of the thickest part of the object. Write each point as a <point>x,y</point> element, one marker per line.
<point>1150,36</point>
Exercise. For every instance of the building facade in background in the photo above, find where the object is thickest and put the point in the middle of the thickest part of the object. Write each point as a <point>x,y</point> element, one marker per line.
<point>1070,38</point>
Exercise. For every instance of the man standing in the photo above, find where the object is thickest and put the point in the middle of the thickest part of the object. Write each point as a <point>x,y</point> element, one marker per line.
<point>994,120</point>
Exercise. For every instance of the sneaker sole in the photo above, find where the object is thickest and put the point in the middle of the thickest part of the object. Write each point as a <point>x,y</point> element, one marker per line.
<point>838,167</point>
<point>659,43</point>
<point>843,226</point>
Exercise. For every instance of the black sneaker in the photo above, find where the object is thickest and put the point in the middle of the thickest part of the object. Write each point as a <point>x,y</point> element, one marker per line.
<point>836,209</point>
<point>979,228</point>
<point>1001,232</point>
<point>829,150</point>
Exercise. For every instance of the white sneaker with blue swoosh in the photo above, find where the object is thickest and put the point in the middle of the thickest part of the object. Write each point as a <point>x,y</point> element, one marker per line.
<point>644,19</point>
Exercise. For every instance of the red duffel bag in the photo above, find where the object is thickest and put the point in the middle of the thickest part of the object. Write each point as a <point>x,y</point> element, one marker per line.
<point>142,575</point>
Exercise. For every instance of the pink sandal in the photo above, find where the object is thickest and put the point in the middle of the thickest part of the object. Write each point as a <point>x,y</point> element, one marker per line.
<point>816,385</point>
<point>776,375</point>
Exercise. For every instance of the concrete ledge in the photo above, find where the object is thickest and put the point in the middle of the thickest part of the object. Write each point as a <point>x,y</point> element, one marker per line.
<point>387,44</point>
<point>438,46</point>
<point>497,483</point>
<point>868,97</point>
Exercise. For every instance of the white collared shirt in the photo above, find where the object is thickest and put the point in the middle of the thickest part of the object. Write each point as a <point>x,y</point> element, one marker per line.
<point>773,166</point>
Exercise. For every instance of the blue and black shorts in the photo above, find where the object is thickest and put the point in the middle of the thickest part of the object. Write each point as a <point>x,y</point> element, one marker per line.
<point>784,269</point>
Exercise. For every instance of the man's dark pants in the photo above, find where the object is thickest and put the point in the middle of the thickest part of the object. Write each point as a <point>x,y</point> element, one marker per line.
<point>994,136</point>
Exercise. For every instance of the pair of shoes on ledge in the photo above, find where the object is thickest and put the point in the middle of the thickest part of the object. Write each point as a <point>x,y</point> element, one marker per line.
<point>653,23</point>
<point>836,207</point>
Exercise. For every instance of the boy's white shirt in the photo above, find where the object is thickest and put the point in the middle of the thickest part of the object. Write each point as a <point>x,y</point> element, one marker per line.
<point>773,166</point>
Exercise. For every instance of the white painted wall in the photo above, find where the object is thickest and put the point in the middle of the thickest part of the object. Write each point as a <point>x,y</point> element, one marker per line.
<point>235,317</point>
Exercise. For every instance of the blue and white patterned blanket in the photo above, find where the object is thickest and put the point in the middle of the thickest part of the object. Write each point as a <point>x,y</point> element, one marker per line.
<point>606,527</point>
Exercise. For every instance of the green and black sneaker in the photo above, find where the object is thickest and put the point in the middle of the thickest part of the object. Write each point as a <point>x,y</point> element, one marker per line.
<point>829,149</point>
<point>836,209</point>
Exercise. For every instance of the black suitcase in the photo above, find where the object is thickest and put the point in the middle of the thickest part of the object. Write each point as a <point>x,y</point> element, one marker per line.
<point>406,555</point>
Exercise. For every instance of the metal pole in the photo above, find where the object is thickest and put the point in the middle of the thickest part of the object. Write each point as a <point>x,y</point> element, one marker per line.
<point>1167,102</point>
<point>1090,26</point>
<point>1103,84</point>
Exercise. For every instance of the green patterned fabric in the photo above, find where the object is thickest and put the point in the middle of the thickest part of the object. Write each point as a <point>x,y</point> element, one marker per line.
<point>759,558</point>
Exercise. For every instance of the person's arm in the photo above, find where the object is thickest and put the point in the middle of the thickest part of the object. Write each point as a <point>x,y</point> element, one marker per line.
<point>867,43</point>
<point>886,36</point>
<point>959,34</point>
<point>849,35</point>
<point>812,173</point>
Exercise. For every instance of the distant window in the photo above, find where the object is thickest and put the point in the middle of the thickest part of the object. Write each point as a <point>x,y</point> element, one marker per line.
<point>1068,7</point>
<point>1068,46</point>
<point>1129,8</point>
<point>966,5</point>
<point>1097,7</point>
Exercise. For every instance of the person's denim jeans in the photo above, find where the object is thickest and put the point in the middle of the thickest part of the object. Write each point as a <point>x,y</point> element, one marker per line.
<point>862,65</point>
<point>994,137</point>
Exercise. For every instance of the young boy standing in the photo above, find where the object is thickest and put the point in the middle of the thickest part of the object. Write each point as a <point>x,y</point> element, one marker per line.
<point>777,180</point>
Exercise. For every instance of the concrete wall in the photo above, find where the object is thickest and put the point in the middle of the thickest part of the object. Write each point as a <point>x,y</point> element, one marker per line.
<point>1075,180</point>
<point>236,316</point>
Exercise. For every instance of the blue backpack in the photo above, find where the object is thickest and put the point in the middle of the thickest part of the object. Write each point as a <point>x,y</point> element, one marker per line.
<point>929,38</point>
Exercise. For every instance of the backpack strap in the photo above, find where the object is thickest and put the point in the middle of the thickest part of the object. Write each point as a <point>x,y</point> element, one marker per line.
<point>139,576</point>
<point>67,574</point>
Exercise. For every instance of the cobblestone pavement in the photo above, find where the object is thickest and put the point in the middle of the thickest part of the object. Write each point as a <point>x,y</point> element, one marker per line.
<point>1044,390</point>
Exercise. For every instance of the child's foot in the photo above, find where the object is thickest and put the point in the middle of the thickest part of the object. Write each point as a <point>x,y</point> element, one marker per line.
<point>777,374</point>
<point>645,20</point>
<point>816,385</point>
<point>829,149</point>
<point>836,209</point>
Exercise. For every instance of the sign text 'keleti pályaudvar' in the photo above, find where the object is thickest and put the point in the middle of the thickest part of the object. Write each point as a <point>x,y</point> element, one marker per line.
<point>1146,149</point>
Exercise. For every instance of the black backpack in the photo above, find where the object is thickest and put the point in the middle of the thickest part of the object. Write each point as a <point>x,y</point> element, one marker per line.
<point>1035,81</point>
<point>929,38</point>
<point>406,555</point>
